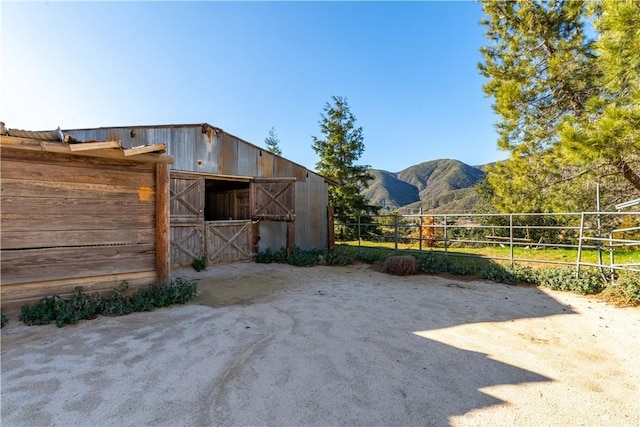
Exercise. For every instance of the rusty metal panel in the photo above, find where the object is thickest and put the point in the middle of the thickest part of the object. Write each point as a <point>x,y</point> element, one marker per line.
<point>247,159</point>
<point>282,168</point>
<point>265,164</point>
<point>311,213</point>
<point>273,235</point>
<point>228,155</point>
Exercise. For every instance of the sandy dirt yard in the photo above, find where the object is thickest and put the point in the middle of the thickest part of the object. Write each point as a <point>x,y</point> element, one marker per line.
<point>333,346</point>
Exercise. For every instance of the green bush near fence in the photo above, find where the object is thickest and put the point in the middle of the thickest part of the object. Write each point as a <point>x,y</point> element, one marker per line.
<point>625,292</point>
<point>69,311</point>
<point>303,258</point>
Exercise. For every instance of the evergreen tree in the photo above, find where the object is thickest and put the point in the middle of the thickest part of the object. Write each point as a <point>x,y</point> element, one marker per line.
<point>273,143</point>
<point>552,87</point>
<point>341,146</point>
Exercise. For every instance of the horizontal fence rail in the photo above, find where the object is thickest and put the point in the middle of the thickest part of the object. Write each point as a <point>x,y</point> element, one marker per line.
<point>522,233</point>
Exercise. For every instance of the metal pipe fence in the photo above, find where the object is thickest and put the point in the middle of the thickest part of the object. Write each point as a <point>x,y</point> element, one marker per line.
<point>522,233</point>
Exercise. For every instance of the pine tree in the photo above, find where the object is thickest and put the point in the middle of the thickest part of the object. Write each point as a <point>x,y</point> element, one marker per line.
<point>342,146</point>
<point>552,87</point>
<point>273,143</point>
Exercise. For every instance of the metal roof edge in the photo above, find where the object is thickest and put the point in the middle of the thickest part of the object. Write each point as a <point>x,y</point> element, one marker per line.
<point>188,125</point>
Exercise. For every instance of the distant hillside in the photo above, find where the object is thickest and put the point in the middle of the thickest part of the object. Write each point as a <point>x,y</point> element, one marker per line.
<point>441,185</point>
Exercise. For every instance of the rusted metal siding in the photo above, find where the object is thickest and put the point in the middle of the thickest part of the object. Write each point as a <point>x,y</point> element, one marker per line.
<point>273,235</point>
<point>311,213</point>
<point>206,149</point>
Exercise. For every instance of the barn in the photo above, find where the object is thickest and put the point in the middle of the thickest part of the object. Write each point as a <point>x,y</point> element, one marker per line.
<point>228,197</point>
<point>73,213</point>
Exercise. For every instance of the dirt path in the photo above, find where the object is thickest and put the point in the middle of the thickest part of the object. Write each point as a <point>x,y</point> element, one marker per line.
<point>279,345</point>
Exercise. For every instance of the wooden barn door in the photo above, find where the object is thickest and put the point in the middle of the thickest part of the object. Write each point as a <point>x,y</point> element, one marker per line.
<point>273,199</point>
<point>186,204</point>
<point>229,241</point>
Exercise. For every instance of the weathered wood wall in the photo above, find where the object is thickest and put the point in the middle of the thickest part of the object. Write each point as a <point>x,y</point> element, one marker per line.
<point>69,221</point>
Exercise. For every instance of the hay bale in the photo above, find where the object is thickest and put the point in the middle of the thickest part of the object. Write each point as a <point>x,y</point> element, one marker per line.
<point>401,265</point>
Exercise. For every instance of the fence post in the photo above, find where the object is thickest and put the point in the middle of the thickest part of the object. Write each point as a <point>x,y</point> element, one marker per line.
<point>420,233</point>
<point>395,224</point>
<point>613,271</point>
<point>359,233</point>
<point>446,238</point>
<point>511,239</point>
<point>580,245</point>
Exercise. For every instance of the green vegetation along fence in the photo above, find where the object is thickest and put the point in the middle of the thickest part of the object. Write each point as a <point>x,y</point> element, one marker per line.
<point>609,241</point>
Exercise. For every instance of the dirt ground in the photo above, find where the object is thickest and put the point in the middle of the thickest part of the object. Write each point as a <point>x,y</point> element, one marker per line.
<point>284,346</point>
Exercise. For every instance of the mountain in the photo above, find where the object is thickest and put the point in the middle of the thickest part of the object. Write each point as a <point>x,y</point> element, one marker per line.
<point>437,185</point>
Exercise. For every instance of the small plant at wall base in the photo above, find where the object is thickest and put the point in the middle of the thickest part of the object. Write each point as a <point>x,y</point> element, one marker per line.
<point>3,320</point>
<point>81,306</point>
<point>199,264</point>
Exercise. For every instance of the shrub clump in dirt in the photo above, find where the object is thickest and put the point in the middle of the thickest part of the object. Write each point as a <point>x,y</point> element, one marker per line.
<point>65,311</point>
<point>401,265</point>
<point>625,292</point>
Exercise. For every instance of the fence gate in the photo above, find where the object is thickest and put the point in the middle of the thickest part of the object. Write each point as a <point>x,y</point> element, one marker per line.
<point>229,240</point>
<point>186,204</point>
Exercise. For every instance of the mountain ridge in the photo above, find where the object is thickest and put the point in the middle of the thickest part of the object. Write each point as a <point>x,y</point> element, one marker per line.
<point>433,185</point>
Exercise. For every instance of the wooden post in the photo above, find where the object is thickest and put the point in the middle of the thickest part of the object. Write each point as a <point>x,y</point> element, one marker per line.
<point>331,238</point>
<point>291,236</point>
<point>511,239</point>
<point>163,247</point>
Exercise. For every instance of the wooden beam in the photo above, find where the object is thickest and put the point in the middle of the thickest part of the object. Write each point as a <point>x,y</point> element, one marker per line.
<point>26,144</point>
<point>163,245</point>
<point>86,146</point>
<point>142,149</point>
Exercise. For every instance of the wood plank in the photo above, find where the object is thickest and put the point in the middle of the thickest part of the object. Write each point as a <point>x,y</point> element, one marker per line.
<point>72,207</point>
<point>23,188</point>
<point>42,221</point>
<point>76,173</point>
<point>89,162</point>
<point>94,145</point>
<point>163,237</point>
<point>135,151</point>
<point>50,238</point>
<point>20,266</point>
<point>8,142</point>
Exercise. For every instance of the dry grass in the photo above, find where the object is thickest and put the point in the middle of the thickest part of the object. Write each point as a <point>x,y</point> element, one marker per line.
<point>401,265</point>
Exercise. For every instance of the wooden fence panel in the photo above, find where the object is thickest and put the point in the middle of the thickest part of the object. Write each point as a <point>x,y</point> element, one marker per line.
<point>187,243</point>
<point>229,241</point>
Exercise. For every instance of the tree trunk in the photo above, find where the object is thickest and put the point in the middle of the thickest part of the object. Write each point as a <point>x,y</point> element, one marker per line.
<point>629,174</point>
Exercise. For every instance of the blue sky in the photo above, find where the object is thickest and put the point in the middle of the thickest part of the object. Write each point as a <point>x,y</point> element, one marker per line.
<point>408,70</point>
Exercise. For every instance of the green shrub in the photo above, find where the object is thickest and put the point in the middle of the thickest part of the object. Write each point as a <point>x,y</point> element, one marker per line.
<point>338,258</point>
<point>430,263</point>
<point>460,268</point>
<point>199,264</point>
<point>524,274</point>
<point>82,306</point>
<point>3,320</point>
<point>372,256</point>
<point>626,290</point>
<point>268,256</point>
<point>498,273</point>
<point>302,258</point>
<point>564,279</point>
